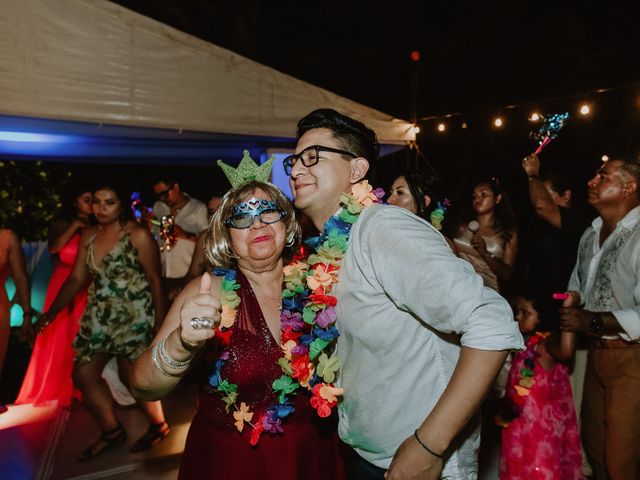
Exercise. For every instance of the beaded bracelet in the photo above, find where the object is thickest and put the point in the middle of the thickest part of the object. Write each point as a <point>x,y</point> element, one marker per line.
<point>415,434</point>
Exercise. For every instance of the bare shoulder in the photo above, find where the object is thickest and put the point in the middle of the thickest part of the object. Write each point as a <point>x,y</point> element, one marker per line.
<point>137,233</point>
<point>87,233</point>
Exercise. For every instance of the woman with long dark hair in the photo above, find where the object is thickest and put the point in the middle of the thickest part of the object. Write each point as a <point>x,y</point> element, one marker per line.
<point>426,196</point>
<point>124,302</point>
<point>488,238</point>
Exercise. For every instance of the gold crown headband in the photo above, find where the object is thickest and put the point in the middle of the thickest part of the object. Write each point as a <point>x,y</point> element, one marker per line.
<point>247,170</point>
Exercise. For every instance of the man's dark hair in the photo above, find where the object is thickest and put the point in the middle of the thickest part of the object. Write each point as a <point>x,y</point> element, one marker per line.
<point>559,182</point>
<point>352,135</point>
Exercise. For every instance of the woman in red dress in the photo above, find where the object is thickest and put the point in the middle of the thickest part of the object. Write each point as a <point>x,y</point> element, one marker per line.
<point>48,376</point>
<point>223,434</point>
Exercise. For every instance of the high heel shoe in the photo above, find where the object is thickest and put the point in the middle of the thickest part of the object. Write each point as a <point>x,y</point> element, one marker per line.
<point>155,433</point>
<point>107,440</point>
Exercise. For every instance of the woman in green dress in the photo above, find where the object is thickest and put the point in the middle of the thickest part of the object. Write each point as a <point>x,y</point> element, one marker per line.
<point>124,308</point>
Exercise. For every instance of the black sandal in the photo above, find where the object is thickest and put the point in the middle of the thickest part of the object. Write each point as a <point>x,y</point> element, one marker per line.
<point>155,433</point>
<point>109,439</point>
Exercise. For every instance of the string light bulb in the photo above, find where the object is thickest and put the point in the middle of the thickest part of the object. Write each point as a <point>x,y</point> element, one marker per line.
<point>535,116</point>
<point>585,109</point>
<point>605,158</point>
<point>442,127</point>
<point>498,122</point>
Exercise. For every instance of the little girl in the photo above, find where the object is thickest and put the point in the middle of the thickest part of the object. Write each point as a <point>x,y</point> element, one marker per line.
<point>540,439</point>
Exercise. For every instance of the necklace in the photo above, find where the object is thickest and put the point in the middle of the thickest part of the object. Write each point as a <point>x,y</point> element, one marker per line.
<point>307,324</point>
<point>516,394</point>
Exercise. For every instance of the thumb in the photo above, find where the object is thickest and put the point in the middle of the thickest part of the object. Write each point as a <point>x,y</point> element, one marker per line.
<point>205,283</point>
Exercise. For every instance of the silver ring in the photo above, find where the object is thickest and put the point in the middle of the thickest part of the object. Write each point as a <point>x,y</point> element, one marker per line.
<point>198,323</point>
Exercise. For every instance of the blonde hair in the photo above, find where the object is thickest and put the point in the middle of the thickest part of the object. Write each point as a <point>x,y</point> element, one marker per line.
<point>218,251</point>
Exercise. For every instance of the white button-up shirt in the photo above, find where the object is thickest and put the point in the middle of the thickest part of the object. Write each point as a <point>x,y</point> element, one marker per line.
<point>406,304</point>
<point>608,276</point>
<point>192,218</point>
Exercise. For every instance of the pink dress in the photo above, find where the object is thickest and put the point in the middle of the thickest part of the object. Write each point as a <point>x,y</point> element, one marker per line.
<point>48,376</point>
<point>543,442</point>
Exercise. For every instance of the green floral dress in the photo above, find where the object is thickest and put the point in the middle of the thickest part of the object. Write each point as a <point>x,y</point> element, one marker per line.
<point>118,319</point>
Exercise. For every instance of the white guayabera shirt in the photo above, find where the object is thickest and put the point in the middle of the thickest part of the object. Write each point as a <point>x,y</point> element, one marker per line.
<point>607,276</point>
<point>406,304</point>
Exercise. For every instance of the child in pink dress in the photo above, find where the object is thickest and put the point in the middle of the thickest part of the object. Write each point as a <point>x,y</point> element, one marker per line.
<point>540,439</point>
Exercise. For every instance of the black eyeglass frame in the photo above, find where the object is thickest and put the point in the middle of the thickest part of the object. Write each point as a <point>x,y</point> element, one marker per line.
<point>290,161</point>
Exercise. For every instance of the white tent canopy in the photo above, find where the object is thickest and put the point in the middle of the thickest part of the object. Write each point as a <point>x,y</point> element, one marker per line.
<point>94,61</point>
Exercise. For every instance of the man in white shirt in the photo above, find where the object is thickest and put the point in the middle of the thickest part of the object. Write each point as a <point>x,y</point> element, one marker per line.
<point>190,217</point>
<point>607,277</point>
<point>421,338</point>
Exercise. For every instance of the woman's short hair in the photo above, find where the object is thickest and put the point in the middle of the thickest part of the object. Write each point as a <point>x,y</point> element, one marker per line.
<point>218,250</point>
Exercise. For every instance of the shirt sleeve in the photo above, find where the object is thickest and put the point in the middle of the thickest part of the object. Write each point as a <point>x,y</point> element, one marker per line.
<point>418,271</point>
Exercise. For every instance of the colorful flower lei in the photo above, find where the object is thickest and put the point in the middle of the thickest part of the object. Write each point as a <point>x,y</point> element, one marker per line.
<point>516,394</point>
<point>437,215</point>
<point>308,332</point>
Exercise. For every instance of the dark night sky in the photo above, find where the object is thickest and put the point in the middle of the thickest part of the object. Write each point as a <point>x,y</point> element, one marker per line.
<point>475,55</point>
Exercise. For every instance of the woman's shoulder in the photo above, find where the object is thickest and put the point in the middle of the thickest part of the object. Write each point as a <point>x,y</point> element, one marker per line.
<point>136,232</point>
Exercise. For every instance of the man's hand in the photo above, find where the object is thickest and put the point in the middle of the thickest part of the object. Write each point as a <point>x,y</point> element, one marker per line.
<point>531,165</point>
<point>575,319</point>
<point>411,461</point>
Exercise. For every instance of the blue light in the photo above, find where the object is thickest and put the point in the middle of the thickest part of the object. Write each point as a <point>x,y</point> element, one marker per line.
<point>33,137</point>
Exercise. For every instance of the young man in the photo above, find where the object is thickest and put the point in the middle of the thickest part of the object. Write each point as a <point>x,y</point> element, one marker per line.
<point>607,276</point>
<point>421,338</point>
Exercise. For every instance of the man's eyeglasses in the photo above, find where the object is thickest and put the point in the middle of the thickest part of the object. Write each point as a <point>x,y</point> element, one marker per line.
<point>310,156</point>
<point>163,193</point>
<point>244,215</point>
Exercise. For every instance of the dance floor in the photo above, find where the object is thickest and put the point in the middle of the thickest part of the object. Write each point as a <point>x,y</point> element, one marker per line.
<point>43,442</point>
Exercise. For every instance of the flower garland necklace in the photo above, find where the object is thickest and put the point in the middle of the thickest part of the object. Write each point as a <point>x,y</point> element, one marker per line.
<point>308,333</point>
<point>516,395</point>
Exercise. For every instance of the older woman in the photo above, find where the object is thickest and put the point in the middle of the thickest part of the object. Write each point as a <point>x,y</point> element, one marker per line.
<point>251,235</point>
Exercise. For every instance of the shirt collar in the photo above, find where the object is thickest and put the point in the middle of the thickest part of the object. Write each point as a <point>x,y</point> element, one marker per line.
<point>628,222</point>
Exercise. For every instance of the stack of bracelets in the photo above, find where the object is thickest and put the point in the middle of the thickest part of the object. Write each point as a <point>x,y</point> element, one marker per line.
<point>167,365</point>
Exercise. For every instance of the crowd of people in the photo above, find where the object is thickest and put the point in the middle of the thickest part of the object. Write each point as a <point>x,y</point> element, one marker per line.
<point>405,312</point>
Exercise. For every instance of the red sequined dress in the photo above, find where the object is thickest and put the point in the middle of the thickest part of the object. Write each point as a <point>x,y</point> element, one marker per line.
<point>308,448</point>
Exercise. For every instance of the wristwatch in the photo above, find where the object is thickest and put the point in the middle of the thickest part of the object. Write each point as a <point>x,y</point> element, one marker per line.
<point>597,324</point>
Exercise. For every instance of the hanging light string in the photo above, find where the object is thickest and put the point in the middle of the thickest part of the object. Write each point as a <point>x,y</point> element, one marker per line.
<point>584,108</point>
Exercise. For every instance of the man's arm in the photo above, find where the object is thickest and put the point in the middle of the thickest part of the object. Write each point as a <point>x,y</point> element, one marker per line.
<point>421,274</point>
<point>473,376</point>
<point>541,200</point>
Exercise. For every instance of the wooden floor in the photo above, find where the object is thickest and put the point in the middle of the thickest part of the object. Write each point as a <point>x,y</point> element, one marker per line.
<point>42,443</point>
